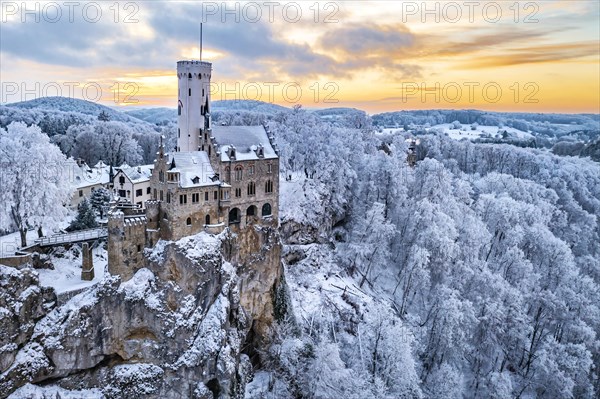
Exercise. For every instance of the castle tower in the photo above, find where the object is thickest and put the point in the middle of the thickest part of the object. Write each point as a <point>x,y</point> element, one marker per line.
<point>193,107</point>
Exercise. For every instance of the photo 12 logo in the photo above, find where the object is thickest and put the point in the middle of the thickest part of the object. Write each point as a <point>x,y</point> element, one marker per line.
<point>468,92</point>
<point>270,11</point>
<point>276,92</point>
<point>470,11</point>
<point>122,92</point>
<point>68,11</point>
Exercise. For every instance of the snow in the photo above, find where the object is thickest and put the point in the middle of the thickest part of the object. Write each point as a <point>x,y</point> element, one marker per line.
<point>191,165</point>
<point>140,287</point>
<point>297,199</point>
<point>200,245</point>
<point>30,391</point>
<point>66,275</point>
<point>136,174</point>
<point>243,138</point>
<point>480,130</point>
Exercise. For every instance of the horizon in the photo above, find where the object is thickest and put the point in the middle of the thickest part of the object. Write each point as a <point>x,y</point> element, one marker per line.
<point>520,57</point>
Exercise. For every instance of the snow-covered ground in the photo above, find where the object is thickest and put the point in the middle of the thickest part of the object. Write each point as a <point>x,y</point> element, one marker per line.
<point>66,275</point>
<point>10,243</point>
<point>492,131</point>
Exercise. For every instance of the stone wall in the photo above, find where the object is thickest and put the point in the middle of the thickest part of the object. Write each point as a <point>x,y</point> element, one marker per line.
<point>126,243</point>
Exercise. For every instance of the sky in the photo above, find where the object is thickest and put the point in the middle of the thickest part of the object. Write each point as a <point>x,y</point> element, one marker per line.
<point>528,56</point>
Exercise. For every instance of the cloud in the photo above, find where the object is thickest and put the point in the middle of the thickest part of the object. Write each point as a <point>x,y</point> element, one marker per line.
<point>538,54</point>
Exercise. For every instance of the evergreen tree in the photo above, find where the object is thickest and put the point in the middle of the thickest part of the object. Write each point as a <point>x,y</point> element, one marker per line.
<point>85,219</point>
<point>99,200</point>
<point>103,116</point>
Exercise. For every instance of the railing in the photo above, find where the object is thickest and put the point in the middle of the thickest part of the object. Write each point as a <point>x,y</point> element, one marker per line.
<point>83,235</point>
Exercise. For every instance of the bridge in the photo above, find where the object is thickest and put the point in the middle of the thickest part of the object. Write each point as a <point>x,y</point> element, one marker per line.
<point>72,238</point>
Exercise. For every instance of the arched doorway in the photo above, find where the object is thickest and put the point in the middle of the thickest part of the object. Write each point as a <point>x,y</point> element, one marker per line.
<point>251,211</point>
<point>234,216</point>
<point>266,209</point>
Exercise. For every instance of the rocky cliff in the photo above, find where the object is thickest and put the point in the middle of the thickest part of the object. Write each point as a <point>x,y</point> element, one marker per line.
<point>178,329</point>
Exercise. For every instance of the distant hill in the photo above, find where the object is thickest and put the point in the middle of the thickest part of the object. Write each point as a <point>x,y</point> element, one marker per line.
<point>247,105</point>
<point>65,104</point>
<point>154,115</point>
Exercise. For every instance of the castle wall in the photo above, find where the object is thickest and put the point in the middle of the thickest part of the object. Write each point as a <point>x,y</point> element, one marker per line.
<point>260,177</point>
<point>126,243</point>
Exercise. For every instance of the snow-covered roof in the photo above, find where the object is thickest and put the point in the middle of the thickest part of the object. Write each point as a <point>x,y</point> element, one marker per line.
<point>137,174</point>
<point>81,175</point>
<point>194,169</point>
<point>245,139</point>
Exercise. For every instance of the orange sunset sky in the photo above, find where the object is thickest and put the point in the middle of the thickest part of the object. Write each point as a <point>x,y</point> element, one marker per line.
<point>541,56</point>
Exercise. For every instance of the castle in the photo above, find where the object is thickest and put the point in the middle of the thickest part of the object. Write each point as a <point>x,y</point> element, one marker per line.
<point>216,177</point>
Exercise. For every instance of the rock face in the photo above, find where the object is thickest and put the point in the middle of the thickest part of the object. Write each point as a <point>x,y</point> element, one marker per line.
<point>175,330</point>
<point>256,253</point>
<point>22,303</point>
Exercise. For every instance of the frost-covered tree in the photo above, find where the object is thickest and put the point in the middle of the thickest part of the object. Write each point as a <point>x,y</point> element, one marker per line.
<point>35,184</point>
<point>99,200</point>
<point>85,218</point>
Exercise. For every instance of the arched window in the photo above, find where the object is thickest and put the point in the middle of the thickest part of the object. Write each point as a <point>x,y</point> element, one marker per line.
<point>266,209</point>
<point>239,173</point>
<point>234,216</point>
<point>251,188</point>
<point>251,211</point>
<point>188,221</point>
<point>207,219</point>
<point>161,176</point>
<point>189,75</point>
<point>269,186</point>
<point>179,109</point>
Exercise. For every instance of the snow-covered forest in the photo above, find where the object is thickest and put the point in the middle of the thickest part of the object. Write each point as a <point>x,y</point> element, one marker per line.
<point>475,274</point>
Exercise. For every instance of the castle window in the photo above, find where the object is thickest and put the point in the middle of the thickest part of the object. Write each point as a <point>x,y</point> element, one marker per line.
<point>215,195</point>
<point>266,209</point>
<point>189,92</point>
<point>122,193</point>
<point>154,196</point>
<point>161,176</point>
<point>183,199</point>
<point>251,170</point>
<point>239,173</point>
<point>202,110</point>
<point>81,193</point>
<point>121,179</point>
<point>234,216</point>
<point>206,196</point>
<point>195,198</point>
<point>188,221</point>
<point>202,92</point>
<point>148,190</point>
<point>128,193</point>
<point>189,75</point>
<point>139,192</point>
<point>269,186</point>
<point>207,219</point>
<point>179,109</point>
<point>238,192</point>
<point>161,195</point>
<point>168,197</point>
<point>139,248</point>
<point>251,188</point>
<point>251,211</point>
<point>269,168</point>
<point>178,132</point>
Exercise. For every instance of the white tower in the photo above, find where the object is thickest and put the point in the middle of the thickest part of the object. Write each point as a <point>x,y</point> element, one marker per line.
<point>193,105</point>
